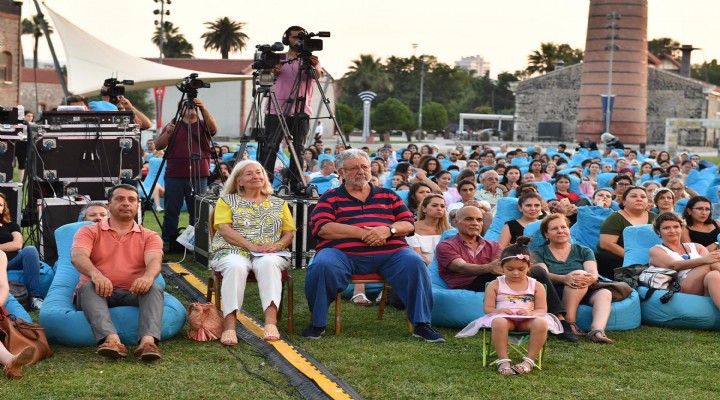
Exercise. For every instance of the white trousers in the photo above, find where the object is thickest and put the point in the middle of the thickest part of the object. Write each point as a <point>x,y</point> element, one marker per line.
<point>235,269</point>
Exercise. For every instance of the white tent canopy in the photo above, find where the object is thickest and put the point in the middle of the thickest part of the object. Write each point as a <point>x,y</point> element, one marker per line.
<point>90,61</point>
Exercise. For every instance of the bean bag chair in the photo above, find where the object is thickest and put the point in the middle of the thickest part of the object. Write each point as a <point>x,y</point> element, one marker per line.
<point>445,163</point>
<point>680,205</point>
<point>153,171</point>
<point>712,193</point>
<point>454,175</point>
<point>638,240</point>
<point>47,274</point>
<point>227,157</point>
<point>624,315</point>
<point>16,309</point>
<point>610,161</point>
<point>545,189</point>
<point>697,182</point>
<point>686,311</point>
<point>604,179</point>
<point>322,157</point>
<point>453,308</point>
<point>520,162</point>
<point>578,159</point>
<point>594,154</point>
<point>532,230</point>
<point>586,230</point>
<point>403,194</point>
<point>65,325</point>
<point>507,209</point>
<point>325,183</point>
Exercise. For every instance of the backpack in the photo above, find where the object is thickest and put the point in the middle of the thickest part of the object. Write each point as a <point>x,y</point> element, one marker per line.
<point>20,293</point>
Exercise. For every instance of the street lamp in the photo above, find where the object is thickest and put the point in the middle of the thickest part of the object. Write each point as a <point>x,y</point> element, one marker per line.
<point>422,84</point>
<point>609,98</point>
<point>162,13</point>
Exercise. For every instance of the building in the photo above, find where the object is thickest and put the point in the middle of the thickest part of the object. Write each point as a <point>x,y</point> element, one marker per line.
<point>10,52</point>
<point>474,63</point>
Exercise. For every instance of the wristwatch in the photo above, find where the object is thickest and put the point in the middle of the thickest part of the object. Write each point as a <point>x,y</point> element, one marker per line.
<point>393,231</point>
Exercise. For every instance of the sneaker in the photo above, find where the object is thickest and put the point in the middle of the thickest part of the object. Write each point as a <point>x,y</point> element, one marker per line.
<point>568,335</point>
<point>428,333</point>
<point>312,332</point>
<point>36,303</point>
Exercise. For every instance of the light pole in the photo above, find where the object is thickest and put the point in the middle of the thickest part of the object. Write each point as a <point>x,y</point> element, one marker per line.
<point>609,98</point>
<point>422,84</point>
<point>162,13</point>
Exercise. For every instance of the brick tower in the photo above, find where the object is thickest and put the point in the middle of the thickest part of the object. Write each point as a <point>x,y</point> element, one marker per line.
<point>617,34</point>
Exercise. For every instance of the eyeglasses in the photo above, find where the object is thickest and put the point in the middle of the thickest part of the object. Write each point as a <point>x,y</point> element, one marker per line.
<point>353,170</point>
<point>676,188</point>
<point>624,184</point>
<point>702,209</point>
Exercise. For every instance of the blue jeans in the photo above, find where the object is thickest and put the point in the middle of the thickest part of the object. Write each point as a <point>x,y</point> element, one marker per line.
<point>28,260</point>
<point>406,272</point>
<point>177,190</point>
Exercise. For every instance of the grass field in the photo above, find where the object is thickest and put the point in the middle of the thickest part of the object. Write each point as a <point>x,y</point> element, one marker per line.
<point>381,360</point>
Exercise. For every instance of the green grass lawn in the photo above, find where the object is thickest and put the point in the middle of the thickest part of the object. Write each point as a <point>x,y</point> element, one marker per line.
<point>381,360</point>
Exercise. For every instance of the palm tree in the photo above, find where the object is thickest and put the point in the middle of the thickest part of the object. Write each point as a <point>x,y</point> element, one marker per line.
<point>545,59</point>
<point>174,43</point>
<point>225,35</point>
<point>367,73</point>
<point>34,28</point>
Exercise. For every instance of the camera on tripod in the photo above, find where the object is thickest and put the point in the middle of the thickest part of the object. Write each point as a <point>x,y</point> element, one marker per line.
<point>115,88</point>
<point>266,56</point>
<point>190,86</point>
<point>305,44</point>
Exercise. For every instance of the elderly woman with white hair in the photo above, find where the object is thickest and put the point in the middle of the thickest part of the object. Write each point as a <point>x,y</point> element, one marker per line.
<point>252,227</point>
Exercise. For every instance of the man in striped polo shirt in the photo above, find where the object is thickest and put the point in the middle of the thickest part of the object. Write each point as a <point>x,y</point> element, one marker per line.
<point>360,229</point>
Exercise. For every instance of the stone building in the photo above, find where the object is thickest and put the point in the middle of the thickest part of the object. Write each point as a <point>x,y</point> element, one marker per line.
<point>10,53</point>
<point>546,107</point>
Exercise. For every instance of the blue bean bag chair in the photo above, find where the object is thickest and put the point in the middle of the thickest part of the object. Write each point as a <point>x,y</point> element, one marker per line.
<point>16,309</point>
<point>507,210</point>
<point>712,193</point>
<point>697,182</point>
<point>532,230</point>
<point>455,308</point>
<point>586,230</point>
<point>680,205</point>
<point>686,311</point>
<point>604,179</point>
<point>325,183</point>
<point>47,274</point>
<point>546,190</point>
<point>638,240</point>
<point>65,325</point>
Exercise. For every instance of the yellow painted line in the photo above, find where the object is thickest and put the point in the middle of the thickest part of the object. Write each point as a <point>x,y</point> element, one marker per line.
<point>286,350</point>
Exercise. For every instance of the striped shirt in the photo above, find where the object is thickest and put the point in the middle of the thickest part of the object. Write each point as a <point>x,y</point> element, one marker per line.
<point>381,208</point>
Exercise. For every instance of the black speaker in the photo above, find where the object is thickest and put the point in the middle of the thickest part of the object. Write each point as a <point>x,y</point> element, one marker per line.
<point>204,207</point>
<point>7,156</point>
<point>54,213</point>
<point>14,194</point>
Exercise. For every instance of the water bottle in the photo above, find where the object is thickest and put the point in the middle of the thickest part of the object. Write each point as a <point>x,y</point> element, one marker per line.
<point>21,112</point>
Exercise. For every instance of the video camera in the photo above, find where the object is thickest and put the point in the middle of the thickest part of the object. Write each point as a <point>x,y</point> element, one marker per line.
<point>305,45</point>
<point>266,56</point>
<point>190,86</point>
<point>114,88</point>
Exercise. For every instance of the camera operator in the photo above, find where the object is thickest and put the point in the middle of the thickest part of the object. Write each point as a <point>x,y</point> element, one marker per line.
<point>123,104</point>
<point>295,104</point>
<point>188,165</point>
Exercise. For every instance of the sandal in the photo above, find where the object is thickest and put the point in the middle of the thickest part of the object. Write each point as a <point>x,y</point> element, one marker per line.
<point>576,329</point>
<point>362,302</point>
<point>521,368</point>
<point>598,336</point>
<point>229,338</point>
<point>507,370</point>
<point>270,333</point>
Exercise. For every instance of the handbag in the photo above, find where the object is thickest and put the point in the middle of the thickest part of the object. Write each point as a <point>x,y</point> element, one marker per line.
<point>657,278</point>
<point>205,321</point>
<point>16,334</point>
<point>619,290</point>
<point>630,274</point>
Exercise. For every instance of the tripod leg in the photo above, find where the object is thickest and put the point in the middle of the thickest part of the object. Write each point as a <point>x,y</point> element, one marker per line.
<point>270,144</point>
<point>299,128</point>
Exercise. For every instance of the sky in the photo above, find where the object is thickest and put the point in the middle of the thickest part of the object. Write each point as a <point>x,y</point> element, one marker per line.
<point>504,32</point>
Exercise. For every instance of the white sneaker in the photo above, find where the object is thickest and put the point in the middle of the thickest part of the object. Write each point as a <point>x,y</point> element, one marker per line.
<point>36,303</point>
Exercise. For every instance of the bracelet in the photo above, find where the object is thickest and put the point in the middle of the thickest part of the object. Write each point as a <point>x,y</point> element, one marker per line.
<point>281,245</point>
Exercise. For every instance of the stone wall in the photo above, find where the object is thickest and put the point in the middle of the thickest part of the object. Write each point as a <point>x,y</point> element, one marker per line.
<point>673,96</point>
<point>552,97</point>
<point>49,95</point>
<point>10,43</point>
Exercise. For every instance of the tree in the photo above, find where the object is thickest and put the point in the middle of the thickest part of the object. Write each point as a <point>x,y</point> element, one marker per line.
<point>544,60</point>
<point>34,28</point>
<point>708,72</point>
<point>174,43</point>
<point>435,116</point>
<point>366,73</point>
<point>392,114</point>
<point>226,36</point>
<point>346,117</point>
<point>665,46</point>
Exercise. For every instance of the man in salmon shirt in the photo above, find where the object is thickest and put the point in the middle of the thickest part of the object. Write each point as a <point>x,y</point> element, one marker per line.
<point>119,260</point>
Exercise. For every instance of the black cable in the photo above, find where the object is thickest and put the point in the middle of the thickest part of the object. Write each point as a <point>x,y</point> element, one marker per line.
<point>258,376</point>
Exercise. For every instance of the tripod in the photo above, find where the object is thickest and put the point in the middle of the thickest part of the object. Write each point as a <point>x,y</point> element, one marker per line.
<point>293,110</point>
<point>196,151</point>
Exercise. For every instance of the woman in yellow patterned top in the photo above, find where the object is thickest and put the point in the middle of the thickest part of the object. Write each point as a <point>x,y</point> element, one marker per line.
<point>253,227</point>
